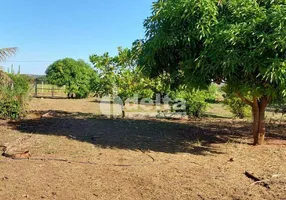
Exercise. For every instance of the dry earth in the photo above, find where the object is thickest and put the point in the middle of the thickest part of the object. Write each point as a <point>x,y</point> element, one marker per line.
<point>79,155</point>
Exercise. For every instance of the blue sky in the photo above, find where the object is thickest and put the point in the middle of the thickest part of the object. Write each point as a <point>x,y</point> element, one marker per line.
<point>46,31</point>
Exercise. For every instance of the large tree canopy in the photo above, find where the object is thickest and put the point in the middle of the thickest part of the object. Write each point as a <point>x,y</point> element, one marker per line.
<point>239,42</point>
<point>75,75</point>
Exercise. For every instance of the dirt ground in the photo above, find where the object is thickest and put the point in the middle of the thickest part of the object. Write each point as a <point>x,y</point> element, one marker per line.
<point>77,154</point>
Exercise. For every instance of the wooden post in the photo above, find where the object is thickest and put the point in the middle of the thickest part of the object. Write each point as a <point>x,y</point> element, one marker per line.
<point>53,89</point>
<point>36,88</point>
<point>42,88</point>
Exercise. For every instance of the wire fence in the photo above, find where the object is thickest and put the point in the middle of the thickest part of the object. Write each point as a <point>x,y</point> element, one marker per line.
<point>45,90</point>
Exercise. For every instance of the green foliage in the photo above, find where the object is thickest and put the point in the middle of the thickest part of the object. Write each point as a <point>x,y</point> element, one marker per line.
<point>195,101</point>
<point>237,106</point>
<point>20,84</point>
<point>212,93</point>
<point>14,97</point>
<point>77,76</point>
<point>279,104</point>
<point>240,42</point>
<point>41,78</point>
<point>106,68</point>
<point>121,76</point>
<point>130,83</point>
<point>10,109</point>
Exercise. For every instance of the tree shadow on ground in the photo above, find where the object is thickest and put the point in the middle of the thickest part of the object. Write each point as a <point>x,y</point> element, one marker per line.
<point>217,116</point>
<point>145,134</point>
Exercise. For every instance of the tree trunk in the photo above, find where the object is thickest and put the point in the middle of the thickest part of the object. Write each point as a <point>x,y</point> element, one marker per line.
<point>255,123</point>
<point>262,129</point>
<point>123,109</point>
<point>258,113</point>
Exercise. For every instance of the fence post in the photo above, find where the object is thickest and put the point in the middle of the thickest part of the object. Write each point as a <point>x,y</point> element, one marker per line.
<point>53,89</point>
<point>36,88</point>
<point>42,88</point>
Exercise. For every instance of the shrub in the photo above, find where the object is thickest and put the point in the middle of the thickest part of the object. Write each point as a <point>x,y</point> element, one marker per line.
<point>237,106</point>
<point>195,102</point>
<point>212,93</point>
<point>10,109</point>
<point>14,97</point>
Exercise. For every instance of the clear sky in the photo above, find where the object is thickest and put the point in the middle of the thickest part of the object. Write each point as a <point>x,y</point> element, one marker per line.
<point>46,31</point>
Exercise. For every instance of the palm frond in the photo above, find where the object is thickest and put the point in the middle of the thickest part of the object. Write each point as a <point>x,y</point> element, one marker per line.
<point>7,52</point>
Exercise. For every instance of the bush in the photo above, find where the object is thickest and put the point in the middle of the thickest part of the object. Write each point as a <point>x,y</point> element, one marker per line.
<point>212,93</point>
<point>14,97</point>
<point>195,102</point>
<point>10,109</point>
<point>237,106</point>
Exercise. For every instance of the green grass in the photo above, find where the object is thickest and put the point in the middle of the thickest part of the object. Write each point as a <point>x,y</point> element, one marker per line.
<point>218,110</point>
<point>47,90</point>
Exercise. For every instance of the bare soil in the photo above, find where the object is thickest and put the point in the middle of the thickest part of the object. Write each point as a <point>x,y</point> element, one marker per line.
<point>78,154</point>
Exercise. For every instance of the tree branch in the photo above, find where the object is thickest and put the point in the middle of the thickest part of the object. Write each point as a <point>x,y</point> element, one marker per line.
<point>245,100</point>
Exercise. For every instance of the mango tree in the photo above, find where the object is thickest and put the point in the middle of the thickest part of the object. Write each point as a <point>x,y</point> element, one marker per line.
<point>75,75</point>
<point>239,42</point>
<point>120,76</point>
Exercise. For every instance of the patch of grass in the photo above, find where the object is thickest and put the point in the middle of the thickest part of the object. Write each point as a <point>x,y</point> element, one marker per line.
<point>197,143</point>
<point>48,90</point>
<point>218,110</point>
